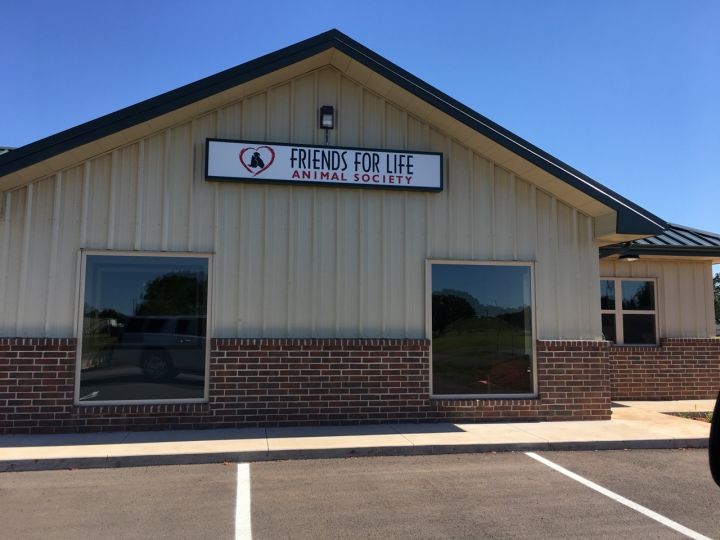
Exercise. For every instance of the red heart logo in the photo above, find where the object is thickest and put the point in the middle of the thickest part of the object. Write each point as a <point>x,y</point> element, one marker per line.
<point>256,159</point>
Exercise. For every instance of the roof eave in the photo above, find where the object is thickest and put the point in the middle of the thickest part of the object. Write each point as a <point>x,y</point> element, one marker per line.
<point>659,251</point>
<point>631,219</point>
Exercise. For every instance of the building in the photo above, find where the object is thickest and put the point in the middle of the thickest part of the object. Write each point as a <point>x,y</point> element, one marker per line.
<point>318,236</point>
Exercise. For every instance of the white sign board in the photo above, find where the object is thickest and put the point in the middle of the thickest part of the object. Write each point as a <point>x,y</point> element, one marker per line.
<point>247,161</point>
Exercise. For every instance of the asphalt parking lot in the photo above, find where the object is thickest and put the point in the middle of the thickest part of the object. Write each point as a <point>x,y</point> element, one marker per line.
<point>505,495</point>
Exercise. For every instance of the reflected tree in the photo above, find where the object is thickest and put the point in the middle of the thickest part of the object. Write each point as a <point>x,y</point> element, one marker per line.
<point>642,299</point>
<point>448,308</point>
<point>173,294</point>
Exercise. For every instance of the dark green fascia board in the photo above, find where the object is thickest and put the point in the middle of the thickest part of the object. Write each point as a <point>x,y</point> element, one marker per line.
<point>660,251</point>
<point>632,219</point>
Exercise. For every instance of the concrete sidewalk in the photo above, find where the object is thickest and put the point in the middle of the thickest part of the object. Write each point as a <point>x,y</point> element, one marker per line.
<point>633,425</point>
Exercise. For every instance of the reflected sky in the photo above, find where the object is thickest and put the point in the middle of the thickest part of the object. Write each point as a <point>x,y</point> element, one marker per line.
<point>117,282</point>
<point>498,286</point>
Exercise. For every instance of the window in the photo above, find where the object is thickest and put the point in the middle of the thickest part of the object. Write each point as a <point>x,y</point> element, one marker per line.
<point>143,328</point>
<point>629,311</point>
<point>482,330</point>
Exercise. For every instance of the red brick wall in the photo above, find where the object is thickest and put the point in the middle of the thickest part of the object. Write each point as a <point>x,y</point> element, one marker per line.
<point>36,384</point>
<point>679,368</point>
<point>296,382</point>
<point>572,385</point>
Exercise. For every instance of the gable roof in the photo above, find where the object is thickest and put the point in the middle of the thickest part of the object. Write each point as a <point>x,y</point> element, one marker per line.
<point>631,218</point>
<point>676,240</point>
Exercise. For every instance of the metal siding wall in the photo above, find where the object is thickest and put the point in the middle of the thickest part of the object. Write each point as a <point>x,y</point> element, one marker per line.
<point>684,293</point>
<point>13,229</point>
<point>295,261</point>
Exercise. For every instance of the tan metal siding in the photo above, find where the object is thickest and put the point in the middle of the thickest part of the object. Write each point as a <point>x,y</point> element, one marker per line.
<point>295,261</point>
<point>685,305</point>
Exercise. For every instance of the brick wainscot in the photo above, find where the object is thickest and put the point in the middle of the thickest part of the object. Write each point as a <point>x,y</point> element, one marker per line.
<point>679,368</point>
<point>277,382</point>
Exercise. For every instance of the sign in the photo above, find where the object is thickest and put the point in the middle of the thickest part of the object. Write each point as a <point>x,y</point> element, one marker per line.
<point>247,161</point>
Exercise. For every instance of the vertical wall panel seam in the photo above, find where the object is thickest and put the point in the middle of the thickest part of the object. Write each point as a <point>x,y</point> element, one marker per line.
<point>216,267</point>
<point>292,227</point>
<point>407,293</point>
<point>384,306</point>
<point>52,266</point>
<point>709,296</point>
<point>19,322</point>
<point>406,256</point>
<point>493,225</point>
<point>593,264</point>
<point>577,266</point>
<point>316,103</point>
<point>140,187</point>
<point>555,241</point>
<point>702,325</point>
<point>85,204</point>
<point>702,300</point>
<point>191,190</point>
<point>450,191</point>
<point>338,107</point>
<point>362,295</point>
<point>264,254</point>
<point>362,274</point>
<point>217,293</point>
<point>384,296</point>
<point>474,190</point>
<point>291,262</point>
<point>4,278</point>
<point>242,287</point>
<point>513,203</point>
<point>315,291</point>
<point>165,189</point>
<point>111,210</point>
<point>338,251</point>
<point>533,204</point>
<point>265,228</point>
<point>426,226</point>
<point>662,315</point>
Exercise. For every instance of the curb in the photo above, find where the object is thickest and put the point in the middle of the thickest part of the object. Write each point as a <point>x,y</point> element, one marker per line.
<point>333,453</point>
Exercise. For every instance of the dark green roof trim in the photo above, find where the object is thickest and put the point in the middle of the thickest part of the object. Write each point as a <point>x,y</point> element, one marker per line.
<point>676,240</point>
<point>632,219</point>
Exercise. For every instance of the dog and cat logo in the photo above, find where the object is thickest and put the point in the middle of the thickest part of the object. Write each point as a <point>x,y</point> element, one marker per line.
<point>257,159</point>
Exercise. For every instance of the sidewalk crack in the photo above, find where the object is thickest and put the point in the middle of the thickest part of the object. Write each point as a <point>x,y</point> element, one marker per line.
<point>402,435</point>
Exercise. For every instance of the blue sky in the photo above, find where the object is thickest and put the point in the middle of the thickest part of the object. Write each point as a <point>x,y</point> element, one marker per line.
<point>626,92</point>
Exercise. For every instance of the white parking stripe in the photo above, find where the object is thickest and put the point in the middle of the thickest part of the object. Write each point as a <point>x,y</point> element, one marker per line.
<point>243,527</point>
<point>619,498</point>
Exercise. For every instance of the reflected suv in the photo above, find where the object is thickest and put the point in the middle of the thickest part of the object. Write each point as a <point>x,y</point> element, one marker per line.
<point>162,346</point>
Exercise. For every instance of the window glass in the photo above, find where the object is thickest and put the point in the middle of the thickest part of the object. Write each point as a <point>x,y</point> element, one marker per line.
<point>482,329</point>
<point>143,329</point>
<point>638,295</point>
<point>608,327</point>
<point>607,294</point>
<point>630,320</point>
<point>639,329</point>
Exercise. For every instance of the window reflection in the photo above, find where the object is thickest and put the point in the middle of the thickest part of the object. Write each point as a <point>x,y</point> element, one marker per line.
<point>608,327</point>
<point>482,329</point>
<point>144,328</point>
<point>639,329</point>
<point>607,294</point>
<point>638,295</point>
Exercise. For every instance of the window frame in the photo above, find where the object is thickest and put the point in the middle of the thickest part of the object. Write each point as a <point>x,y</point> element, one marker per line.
<point>428,324</point>
<point>79,316</point>
<point>618,312</point>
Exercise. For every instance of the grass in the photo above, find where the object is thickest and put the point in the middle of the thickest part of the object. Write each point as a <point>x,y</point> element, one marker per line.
<point>700,416</point>
<point>485,355</point>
